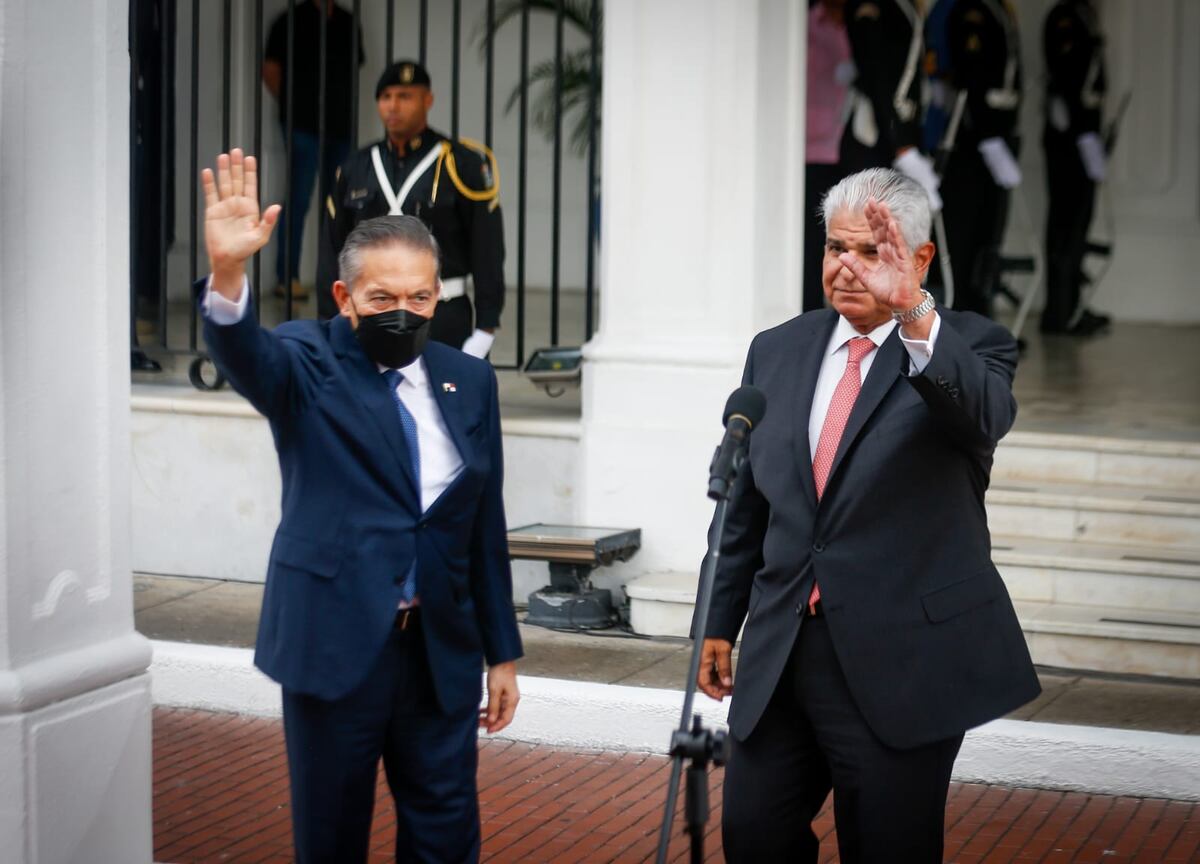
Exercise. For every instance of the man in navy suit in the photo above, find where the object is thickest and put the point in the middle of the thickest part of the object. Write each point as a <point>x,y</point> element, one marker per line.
<point>857,552</point>
<point>388,585</point>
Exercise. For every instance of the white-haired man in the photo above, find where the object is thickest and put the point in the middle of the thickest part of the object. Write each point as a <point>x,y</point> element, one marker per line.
<point>857,553</point>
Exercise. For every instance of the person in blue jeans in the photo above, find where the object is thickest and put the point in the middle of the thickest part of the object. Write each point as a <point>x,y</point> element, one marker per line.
<point>305,113</point>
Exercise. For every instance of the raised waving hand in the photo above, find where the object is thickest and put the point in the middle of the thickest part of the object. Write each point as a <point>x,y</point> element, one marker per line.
<point>234,229</point>
<point>895,281</point>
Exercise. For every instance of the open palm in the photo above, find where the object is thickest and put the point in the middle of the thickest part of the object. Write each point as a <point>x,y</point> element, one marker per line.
<point>894,281</point>
<point>234,229</point>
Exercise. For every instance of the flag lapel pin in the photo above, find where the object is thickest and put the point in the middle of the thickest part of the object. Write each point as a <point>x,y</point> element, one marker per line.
<point>448,387</point>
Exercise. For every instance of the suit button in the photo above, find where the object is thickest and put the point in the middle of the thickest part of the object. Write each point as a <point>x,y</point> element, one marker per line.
<point>799,608</point>
<point>818,547</point>
<point>941,381</point>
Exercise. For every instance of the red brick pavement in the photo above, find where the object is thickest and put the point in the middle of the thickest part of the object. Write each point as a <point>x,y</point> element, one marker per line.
<point>221,794</point>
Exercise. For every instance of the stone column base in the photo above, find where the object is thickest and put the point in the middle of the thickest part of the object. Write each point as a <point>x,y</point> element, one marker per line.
<point>75,779</point>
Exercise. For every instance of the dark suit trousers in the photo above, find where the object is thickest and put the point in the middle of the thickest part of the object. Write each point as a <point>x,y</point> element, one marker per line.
<point>334,748</point>
<point>889,805</point>
<point>1072,197</point>
<point>975,211</point>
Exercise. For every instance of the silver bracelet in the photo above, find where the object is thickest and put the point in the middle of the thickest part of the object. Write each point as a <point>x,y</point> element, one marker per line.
<point>917,312</point>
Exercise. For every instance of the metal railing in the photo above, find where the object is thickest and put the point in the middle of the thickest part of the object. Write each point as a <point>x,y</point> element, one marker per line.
<point>153,42</point>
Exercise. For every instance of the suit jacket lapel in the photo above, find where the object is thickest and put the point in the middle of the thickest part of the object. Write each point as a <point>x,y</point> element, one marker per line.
<point>812,354</point>
<point>370,388</point>
<point>448,402</point>
<point>884,371</point>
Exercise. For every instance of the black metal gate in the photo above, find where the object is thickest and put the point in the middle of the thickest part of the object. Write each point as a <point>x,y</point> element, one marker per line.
<point>155,39</point>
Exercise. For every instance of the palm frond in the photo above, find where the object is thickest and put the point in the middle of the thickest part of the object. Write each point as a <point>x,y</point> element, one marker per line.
<point>576,75</point>
<point>577,13</point>
<point>575,98</point>
<point>576,68</point>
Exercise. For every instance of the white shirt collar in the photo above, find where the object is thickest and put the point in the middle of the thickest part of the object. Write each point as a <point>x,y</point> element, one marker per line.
<point>414,373</point>
<point>844,332</point>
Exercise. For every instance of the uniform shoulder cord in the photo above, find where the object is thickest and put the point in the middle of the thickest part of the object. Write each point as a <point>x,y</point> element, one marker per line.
<point>447,156</point>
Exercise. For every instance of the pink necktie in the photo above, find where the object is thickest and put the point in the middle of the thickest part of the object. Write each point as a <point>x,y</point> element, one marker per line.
<point>835,422</point>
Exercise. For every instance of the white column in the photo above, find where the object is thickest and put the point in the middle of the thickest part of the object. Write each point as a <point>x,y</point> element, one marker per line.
<point>703,147</point>
<point>74,693</point>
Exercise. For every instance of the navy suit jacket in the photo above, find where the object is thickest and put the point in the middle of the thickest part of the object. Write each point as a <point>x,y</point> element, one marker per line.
<point>351,523</point>
<point>921,622</point>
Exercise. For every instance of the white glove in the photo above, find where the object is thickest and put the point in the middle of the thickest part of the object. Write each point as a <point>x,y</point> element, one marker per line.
<point>919,168</point>
<point>1060,115</point>
<point>1000,161</point>
<point>938,95</point>
<point>478,344</point>
<point>1095,160</point>
<point>845,73</point>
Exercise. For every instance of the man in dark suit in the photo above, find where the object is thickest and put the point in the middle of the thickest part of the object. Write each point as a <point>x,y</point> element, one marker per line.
<point>388,584</point>
<point>857,552</point>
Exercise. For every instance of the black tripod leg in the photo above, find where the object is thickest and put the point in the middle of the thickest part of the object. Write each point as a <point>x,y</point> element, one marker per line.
<point>664,836</point>
<point>696,808</point>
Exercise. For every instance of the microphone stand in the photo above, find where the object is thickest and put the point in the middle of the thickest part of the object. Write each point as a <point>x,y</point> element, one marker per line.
<point>694,742</point>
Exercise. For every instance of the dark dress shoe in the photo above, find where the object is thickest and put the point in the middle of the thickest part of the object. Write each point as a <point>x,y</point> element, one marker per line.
<point>139,361</point>
<point>1090,322</point>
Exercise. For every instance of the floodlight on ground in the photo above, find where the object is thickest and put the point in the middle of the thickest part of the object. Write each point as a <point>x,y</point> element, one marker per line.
<point>555,369</point>
<point>570,602</point>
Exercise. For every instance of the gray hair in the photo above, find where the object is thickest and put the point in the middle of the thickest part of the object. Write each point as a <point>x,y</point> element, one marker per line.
<point>905,197</point>
<point>407,231</point>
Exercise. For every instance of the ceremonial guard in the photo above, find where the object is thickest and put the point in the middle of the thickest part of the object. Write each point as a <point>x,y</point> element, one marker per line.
<point>1076,158</point>
<point>452,186</point>
<point>979,144</point>
<point>884,124</point>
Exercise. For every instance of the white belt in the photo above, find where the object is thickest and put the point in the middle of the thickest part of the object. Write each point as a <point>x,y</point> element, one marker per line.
<point>456,287</point>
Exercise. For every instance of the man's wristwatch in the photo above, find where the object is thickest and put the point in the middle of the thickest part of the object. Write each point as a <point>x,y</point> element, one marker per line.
<point>917,312</point>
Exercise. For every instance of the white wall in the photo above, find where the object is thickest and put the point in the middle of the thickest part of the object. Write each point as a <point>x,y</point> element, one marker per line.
<point>205,486</point>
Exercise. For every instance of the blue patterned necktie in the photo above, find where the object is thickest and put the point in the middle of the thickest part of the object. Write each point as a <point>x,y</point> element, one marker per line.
<point>409,424</point>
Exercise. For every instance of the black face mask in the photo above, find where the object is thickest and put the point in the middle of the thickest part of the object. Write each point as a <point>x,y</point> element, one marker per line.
<point>393,339</point>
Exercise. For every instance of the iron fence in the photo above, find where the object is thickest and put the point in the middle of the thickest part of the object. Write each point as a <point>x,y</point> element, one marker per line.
<point>154,37</point>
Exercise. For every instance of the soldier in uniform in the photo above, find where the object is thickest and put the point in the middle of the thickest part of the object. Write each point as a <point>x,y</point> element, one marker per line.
<point>979,144</point>
<point>1075,158</point>
<point>452,186</point>
<point>884,125</point>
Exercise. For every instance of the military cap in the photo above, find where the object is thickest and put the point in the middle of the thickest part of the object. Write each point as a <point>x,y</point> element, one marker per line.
<point>402,73</point>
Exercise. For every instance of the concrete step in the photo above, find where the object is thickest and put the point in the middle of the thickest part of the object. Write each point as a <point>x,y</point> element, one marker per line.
<point>1041,457</point>
<point>1098,540</point>
<point>1098,513</point>
<point>1113,639</point>
<point>1097,574</point>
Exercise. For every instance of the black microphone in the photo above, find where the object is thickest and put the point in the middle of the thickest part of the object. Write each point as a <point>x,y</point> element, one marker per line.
<point>743,411</point>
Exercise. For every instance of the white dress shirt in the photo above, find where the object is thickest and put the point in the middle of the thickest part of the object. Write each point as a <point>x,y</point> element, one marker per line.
<point>441,462</point>
<point>834,366</point>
